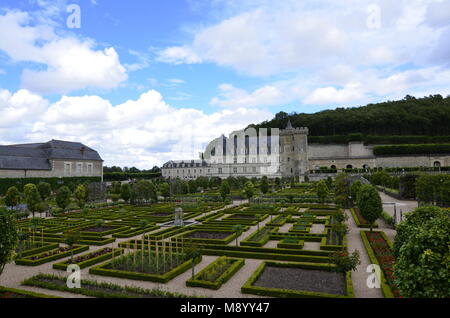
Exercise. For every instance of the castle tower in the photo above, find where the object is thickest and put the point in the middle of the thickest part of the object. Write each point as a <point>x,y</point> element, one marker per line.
<point>293,151</point>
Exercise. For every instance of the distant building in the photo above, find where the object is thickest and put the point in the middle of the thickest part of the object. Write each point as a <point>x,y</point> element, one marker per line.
<point>55,158</point>
<point>285,153</point>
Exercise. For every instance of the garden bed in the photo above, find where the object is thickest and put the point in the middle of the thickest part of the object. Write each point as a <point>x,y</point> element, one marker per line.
<point>131,266</point>
<point>217,273</point>
<point>89,259</point>
<point>292,243</point>
<point>97,289</point>
<point>379,249</point>
<point>215,236</point>
<point>6,292</point>
<point>298,280</point>
<point>51,255</point>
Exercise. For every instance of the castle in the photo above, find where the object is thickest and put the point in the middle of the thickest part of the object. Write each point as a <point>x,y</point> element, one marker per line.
<point>286,153</point>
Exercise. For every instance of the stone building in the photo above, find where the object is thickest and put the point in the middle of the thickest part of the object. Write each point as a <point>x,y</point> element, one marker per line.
<point>55,158</point>
<point>285,153</point>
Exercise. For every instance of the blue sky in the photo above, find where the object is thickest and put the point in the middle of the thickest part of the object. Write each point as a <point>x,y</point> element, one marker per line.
<point>148,81</point>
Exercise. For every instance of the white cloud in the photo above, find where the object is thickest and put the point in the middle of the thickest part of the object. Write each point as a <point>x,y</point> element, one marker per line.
<point>231,96</point>
<point>286,37</point>
<point>178,55</point>
<point>141,132</point>
<point>70,63</point>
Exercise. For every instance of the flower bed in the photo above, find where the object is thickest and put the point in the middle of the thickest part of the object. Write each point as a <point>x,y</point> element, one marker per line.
<point>6,292</point>
<point>37,250</point>
<point>331,241</point>
<point>215,236</point>
<point>97,289</point>
<point>380,252</point>
<point>42,258</point>
<point>89,259</point>
<point>217,273</point>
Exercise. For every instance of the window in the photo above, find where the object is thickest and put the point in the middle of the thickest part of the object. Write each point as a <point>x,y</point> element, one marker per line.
<point>292,170</point>
<point>67,168</point>
<point>437,164</point>
<point>79,168</point>
<point>234,170</point>
<point>349,167</point>
<point>254,169</point>
<point>244,169</point>
<point>90,169</point>
<point>289,159</point>
<point>220,170</point>
<point>235,160</point>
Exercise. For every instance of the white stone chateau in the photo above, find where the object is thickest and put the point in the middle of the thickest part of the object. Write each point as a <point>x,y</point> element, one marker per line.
<point>285,153</point>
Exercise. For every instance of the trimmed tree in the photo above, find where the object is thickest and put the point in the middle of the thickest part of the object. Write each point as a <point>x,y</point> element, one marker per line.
<point>12,197</point>
<point>225,190</point>
<point>125,192</point>
<point>45,190</point>
<point>249,190</point>
<point>322,190</point>
<point>238,228</point>
<point>63,197</point>
<point>264,185</point>
<point>32,197</point>
<point>369,203</point>
<point>80,195</point>
<point>8,237</point>
<point>354,189</point>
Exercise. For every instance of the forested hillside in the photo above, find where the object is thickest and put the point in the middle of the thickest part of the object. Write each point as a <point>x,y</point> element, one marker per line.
<point>409,116</point>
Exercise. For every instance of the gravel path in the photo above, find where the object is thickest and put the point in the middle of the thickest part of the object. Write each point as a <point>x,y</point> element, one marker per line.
<point>360,276</point>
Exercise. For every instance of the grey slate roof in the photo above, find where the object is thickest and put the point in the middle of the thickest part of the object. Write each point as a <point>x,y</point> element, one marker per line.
<point>37,156</point>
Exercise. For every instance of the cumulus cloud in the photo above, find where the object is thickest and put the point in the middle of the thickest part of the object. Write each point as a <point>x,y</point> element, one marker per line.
<point>69,63</point>
<point>287,36</point>
<point>140,132</point>
<point>231,96</point>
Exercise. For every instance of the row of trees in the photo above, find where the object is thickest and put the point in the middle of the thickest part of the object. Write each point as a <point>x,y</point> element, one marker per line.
<point>409,116</point>
<point>37,197</point>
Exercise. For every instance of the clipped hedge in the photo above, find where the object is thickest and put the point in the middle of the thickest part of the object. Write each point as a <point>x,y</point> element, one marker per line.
<point>249,288</point>
<point>412,149</point>
<point>164,278</point>
<point>219,281</point>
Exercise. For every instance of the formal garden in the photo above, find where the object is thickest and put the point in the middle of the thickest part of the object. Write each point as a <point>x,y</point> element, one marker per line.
<point>212,238</point>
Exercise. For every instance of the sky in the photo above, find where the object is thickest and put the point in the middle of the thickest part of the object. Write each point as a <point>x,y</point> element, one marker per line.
<point>147,81</point>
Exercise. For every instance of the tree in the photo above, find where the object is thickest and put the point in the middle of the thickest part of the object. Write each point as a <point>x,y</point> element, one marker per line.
<point>354,189</point>
<point>238,228</point>
<point>344,261</point>
<point>277,182</point>
<point>12,197</point>
<point>63,197</point>
<point>8,237</point>
<point>70,239</point>
<point>45,190</point>
<point>369,203</point>
<point>115,187</point>
<point>32,197</point>
<point>264,185</point>
<point>322,190</point>
<point>125,192</point>
<point>411,222</point>
<point>342,190</point>
<point>225,190</point>
<point>81,195</point>
<point>165,190</point>
<point>422,266</point>
<point>249,190</point>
